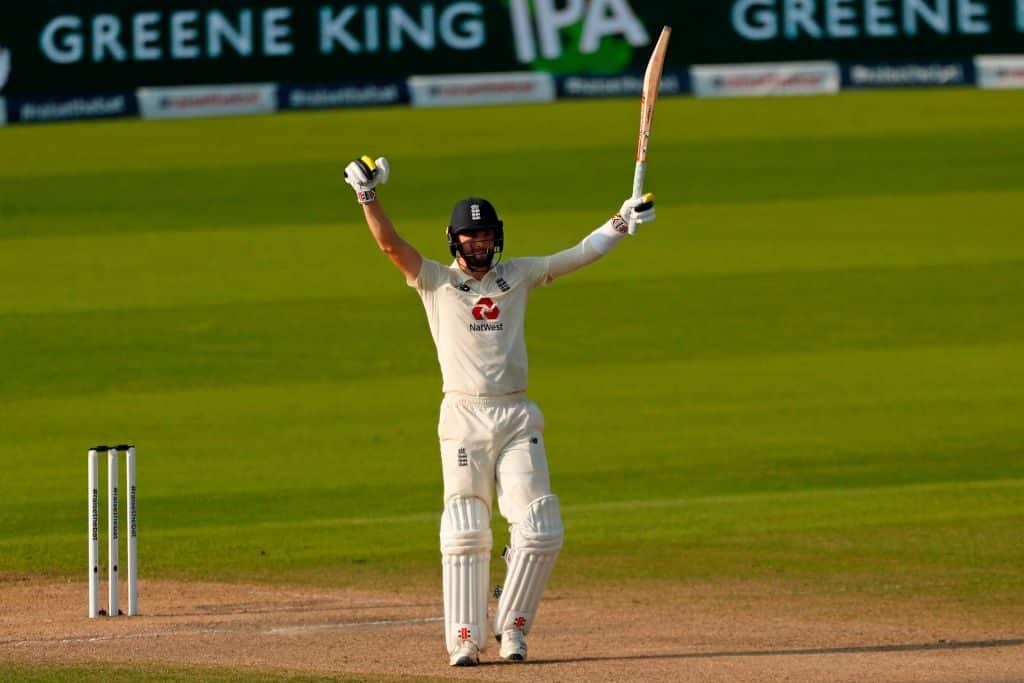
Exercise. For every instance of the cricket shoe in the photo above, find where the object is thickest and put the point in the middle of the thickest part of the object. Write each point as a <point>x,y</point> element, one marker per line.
<point>513,646</point>
<point>465,653</point>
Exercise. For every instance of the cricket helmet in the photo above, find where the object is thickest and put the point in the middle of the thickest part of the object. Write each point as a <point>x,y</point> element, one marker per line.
<point>474,214</point>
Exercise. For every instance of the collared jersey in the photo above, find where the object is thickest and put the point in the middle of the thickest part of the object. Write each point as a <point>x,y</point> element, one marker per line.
<point>478,326</point>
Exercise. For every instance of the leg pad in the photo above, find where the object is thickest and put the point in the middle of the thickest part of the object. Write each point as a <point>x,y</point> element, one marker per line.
<point>534,549</point>
<point>465,557</point>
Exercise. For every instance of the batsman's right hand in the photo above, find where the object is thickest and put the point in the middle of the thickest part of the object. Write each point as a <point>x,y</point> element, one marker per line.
<point>364,174</point>
<point>637,211</point>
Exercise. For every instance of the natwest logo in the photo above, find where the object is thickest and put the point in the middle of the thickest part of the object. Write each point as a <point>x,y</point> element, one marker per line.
<point>486,310</point>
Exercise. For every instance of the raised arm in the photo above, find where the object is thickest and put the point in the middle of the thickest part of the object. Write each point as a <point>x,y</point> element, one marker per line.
<point>603,239</point>
<point>364,174</point>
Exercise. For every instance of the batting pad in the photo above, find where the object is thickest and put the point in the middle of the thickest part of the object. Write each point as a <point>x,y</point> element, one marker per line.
<point>534,549</point>
<point>465,558</point>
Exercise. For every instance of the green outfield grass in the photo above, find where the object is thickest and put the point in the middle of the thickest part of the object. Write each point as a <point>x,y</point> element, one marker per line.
<point>808,371</point>
<point>136,674</point>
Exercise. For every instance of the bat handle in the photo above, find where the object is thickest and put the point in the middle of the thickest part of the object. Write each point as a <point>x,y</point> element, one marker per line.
<point>638,188</point>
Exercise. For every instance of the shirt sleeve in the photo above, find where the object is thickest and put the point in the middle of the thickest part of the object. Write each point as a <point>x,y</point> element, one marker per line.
<point>590,248</point>
<point>534,270</point>
<point>431,276</point>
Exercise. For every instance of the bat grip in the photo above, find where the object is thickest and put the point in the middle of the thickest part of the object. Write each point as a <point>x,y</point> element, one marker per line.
<point>638,188</point>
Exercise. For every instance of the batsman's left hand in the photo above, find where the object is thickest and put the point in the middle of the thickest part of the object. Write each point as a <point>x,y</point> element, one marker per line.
<point>637,211</point>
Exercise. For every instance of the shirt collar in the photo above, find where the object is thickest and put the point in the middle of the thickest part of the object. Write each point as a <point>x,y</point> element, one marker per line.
<point>466,279</point>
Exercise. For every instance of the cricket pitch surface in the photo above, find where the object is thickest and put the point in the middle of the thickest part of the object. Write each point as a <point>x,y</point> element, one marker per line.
<point>742,632</point>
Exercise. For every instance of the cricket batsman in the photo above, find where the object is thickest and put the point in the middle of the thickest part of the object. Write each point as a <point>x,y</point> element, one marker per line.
<point>491,434</point>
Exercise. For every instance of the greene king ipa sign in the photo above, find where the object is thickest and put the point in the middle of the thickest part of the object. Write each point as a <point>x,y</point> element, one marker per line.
<point>114,45</point>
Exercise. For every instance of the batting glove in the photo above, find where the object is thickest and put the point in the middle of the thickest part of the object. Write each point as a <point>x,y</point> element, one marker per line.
<point>635,211</point>
<point>364,174</point>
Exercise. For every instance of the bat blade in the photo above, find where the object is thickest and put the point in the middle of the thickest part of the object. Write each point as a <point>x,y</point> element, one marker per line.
<point>648,97</point>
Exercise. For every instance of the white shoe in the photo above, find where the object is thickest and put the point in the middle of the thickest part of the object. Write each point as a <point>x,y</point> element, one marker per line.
<point>465,653</point>
<point>513,646</point>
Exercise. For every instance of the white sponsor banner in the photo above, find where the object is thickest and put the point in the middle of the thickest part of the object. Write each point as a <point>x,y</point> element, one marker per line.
<point>999,71</point>
<point>475,89</point>
<point>5,66</point>
<point>3,111</point>
<point>753,80</point>
<point>898,75</point>
<point>98,106</point>
<point>617,86</point>
<point>211,100</point>
<point>342,96</point>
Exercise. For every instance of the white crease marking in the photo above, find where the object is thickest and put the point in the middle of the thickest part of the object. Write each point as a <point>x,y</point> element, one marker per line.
<point>277,630</point>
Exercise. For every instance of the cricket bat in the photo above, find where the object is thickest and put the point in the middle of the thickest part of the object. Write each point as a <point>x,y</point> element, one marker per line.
<point>648,96</point>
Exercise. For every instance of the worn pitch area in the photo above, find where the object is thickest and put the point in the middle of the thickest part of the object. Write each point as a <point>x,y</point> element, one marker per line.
<point>734,633</point>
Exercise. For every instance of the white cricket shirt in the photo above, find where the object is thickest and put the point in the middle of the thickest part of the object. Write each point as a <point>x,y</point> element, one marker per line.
<point>478,326</point>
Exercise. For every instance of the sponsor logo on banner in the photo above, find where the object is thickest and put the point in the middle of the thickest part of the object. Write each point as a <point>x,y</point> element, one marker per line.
<point>903,75</point>
<point>27,110</point>
<point>596,36</point>
<point>753,80</point>
<point>837,20</point>
<point>672,83</point>
<point>342,95</point>
<point>129,44</point>
<point>477,89</point>
<point>999,71</point>
<point>187,33</point>
<point>212,100</point>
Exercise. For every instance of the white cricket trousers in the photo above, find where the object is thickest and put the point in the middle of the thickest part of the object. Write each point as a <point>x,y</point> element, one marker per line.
<point>493,444</point>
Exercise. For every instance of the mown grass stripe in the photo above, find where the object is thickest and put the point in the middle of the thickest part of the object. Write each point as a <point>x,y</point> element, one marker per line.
<point>873,494</point>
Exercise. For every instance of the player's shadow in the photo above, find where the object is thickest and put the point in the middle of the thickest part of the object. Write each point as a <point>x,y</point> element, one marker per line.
<point>853,649</point>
